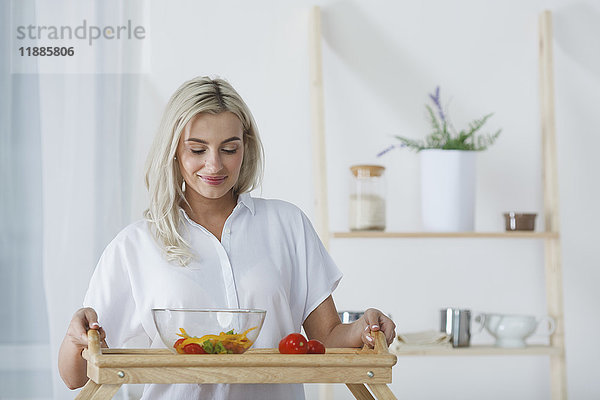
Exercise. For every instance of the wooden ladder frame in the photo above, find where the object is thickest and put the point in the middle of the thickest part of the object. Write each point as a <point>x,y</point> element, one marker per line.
<point>552,245</point>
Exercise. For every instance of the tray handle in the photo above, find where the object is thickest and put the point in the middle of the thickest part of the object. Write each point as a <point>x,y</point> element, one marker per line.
<point>380,347</point>
<point>93,342</point>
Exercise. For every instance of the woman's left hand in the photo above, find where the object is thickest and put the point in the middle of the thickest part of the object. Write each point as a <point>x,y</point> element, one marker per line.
<point>374,320</point>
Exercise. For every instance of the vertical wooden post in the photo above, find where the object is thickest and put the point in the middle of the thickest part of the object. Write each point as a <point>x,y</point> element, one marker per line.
<point>554,292</point>
<point>317,109</point>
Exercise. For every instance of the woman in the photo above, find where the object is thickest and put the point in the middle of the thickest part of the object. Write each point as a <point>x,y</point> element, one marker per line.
<point>206,243</point>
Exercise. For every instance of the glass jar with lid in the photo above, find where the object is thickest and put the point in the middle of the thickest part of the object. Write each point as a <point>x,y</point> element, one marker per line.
<point>367,198</point>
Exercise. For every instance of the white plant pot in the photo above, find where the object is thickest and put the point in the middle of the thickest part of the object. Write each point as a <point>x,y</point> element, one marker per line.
<point>448,190</point>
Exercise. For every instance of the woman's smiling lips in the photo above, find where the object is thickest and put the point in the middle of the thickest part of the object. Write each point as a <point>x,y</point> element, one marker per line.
<point>212,180</point>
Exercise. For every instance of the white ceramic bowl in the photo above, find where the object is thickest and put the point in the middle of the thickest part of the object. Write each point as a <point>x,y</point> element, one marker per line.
<point>511,331</point>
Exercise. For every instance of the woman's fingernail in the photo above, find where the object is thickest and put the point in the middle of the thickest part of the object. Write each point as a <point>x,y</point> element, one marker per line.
<point>370,338</point>
<point>366,328</point>
<point>95,324</point>
<point>374,326</point>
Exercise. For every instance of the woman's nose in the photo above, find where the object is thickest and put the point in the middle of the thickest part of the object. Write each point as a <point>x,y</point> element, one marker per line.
<point>213,163</point>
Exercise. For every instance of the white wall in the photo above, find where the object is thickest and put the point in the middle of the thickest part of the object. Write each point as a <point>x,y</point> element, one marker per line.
<point>381,58</point>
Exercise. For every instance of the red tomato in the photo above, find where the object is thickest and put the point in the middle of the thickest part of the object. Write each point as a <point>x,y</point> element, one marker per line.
<point>193,348</point>
<point>315,347</point>
<point>294,343</point>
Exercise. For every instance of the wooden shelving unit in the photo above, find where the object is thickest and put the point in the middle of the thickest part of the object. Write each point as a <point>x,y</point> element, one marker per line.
<point>532,350</point>
<point>551,235</point>
<point>445,235</point>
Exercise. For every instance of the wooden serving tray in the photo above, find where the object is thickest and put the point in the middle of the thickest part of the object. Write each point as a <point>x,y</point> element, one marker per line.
<point>108,369</point>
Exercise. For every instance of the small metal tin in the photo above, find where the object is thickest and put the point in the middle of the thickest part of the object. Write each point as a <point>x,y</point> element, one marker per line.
<point>350,316</point>
<point>519,221</point>
<point>456,323</point>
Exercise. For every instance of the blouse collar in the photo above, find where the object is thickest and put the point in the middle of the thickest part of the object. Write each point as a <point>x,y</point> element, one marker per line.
<point>247,201</point>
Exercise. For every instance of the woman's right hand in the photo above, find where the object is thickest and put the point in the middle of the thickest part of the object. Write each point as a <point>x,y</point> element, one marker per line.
<point>83,320</point>
<point>71,365</point>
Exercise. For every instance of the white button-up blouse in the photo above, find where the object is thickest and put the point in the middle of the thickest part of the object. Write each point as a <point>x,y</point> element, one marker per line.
<point>269,257</point>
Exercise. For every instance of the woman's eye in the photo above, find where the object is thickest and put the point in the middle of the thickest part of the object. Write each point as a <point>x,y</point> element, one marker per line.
<point>197,151</point>
<point>230,151</point>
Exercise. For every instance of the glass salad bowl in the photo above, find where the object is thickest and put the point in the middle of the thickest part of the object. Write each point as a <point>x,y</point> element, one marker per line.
<point>208,331</point>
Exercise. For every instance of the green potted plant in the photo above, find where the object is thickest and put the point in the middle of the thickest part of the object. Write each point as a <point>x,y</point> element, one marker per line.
<point>447,160</point>
<point>444,136</point>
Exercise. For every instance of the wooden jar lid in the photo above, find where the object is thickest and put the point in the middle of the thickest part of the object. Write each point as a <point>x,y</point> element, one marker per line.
<point>367,170</point>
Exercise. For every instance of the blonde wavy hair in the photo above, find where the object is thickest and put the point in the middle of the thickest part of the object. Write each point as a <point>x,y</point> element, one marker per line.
<point>163,177</point>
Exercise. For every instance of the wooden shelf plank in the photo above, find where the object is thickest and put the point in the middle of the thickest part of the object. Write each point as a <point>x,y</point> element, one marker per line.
<point>501,235</point>
<point>533,350</point>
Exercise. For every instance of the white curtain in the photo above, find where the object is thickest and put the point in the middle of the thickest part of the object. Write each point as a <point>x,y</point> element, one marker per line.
<point>24,346</point>
<point>86,175</point>
<point>70,166</point>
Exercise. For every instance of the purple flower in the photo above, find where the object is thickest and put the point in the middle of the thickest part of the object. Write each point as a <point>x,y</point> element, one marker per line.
<point>436,100</point>
<point>388,149</point>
